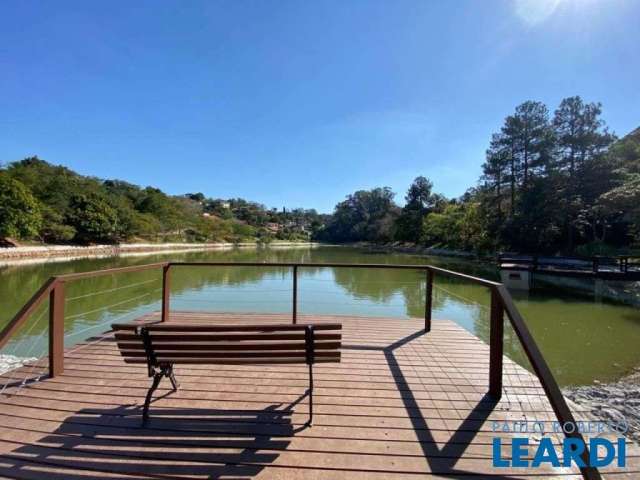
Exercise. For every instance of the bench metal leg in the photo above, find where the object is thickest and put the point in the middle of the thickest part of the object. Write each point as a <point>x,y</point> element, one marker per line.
<point>157,377</point>
<point>156,381</point>
<point>172,378</point>
<point>310,422</point>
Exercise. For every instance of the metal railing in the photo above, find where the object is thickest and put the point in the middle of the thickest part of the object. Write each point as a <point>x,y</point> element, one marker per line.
<point>501,303</point>
<point>595,264</point>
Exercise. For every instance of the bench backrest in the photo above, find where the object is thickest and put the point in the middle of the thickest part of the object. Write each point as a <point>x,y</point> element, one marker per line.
<point>229,344</point>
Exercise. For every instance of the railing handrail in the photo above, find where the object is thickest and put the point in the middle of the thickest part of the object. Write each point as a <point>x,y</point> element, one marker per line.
<point>451,273</point>
<point>36,299</point>
<point>28,308</point>
<point>517,257</point>
<point>501,301</point>
<point>110,271</point>
<point>595,265</point>
<point>538,363</point>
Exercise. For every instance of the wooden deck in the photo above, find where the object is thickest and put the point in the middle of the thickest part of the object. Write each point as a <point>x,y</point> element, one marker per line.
<point>400,405</point>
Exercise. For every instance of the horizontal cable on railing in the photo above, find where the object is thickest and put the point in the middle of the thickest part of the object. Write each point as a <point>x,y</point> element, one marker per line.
<point>112,305</point>
<point>33,344</point>
<point>358,303</point>
<point>286,290</point>
<point>389,282</point>
<point>92,327</point>
<point>216,291</point>
<point>110,321</point>
<point>131,285</point>
<point>26,334</point>
<point>468,300</point>
<point>36,341</point>
<point>370,303</point>
<point>327,292</point>
<point>223,301</point>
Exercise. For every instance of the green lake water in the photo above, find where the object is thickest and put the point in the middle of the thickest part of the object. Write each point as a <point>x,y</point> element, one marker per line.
<point>582,339</point>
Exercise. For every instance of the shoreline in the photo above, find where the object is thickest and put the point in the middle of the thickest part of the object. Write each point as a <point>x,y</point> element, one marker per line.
<point>400,247</point>
<point>611,401</point>
<point>35,254</point>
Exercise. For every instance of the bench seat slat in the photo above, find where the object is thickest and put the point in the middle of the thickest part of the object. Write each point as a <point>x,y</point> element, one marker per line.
<point>204,337</point>
<point>209,354</point>
<point>220,346</point>
<point>169,327</point>
<point>214,361</point>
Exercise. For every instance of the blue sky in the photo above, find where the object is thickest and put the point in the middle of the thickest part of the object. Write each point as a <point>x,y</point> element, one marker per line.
<point>299,103</point>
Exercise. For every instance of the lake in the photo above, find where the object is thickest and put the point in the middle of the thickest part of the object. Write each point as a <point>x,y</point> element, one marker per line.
<point>582,338</point>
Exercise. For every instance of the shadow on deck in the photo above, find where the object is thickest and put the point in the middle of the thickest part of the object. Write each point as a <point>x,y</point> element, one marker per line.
<point>401,404</point>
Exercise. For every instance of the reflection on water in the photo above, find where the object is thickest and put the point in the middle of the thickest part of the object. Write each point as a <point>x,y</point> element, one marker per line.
<point>581,338</point>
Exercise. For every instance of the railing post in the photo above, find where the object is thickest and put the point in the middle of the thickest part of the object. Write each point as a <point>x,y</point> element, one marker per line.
<point>166,292</point>
<point>428,301</point>
<point>294,310</point>
<point>496,346</point>
<point>622,264</point>
<point>56,330</point>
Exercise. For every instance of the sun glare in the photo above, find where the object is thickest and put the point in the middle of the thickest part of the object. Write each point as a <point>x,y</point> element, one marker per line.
<point>533,12</point>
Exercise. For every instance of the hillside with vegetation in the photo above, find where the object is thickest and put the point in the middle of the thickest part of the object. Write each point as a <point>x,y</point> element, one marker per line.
<point>551,183</point>
<point>53,204</point>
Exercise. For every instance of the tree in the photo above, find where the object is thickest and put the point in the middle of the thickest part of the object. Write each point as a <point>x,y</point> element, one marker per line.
<point>419,194</point>
<point>19,211</point>
<point>581,134</point>
<point>419,200</point>
<point>144,225</point>
<point>54,229</point>
<point>625,153</point>
<point>457,226</point>
<point>582,139</point>
<point>196,197</point>
<point>536,225</point>
<point>547,168</point>
<point>621,203</point>
<point>498,171</point>
<point>517,156</point>
<point>530,137</point>
<point>366,215</point>
<point>242,231</point>
<point>93,219</point>
<point>522,149</point>
<point>155,202</point>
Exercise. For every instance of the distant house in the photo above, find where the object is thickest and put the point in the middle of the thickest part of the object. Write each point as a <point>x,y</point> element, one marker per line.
<point>272,227</point>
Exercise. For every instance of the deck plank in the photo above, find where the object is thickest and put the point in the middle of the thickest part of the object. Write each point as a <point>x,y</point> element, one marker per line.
<point>399,405</point>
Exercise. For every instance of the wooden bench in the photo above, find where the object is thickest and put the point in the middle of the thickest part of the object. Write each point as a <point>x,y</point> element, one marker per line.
<point>163,345</point>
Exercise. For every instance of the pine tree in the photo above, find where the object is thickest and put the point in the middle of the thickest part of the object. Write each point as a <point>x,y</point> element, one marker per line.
<point>582,139</point>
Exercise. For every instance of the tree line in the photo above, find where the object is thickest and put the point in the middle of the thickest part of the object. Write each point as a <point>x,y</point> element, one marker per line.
<point>53,204</point>
<point>551,183</point>
<point>556,182</point>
